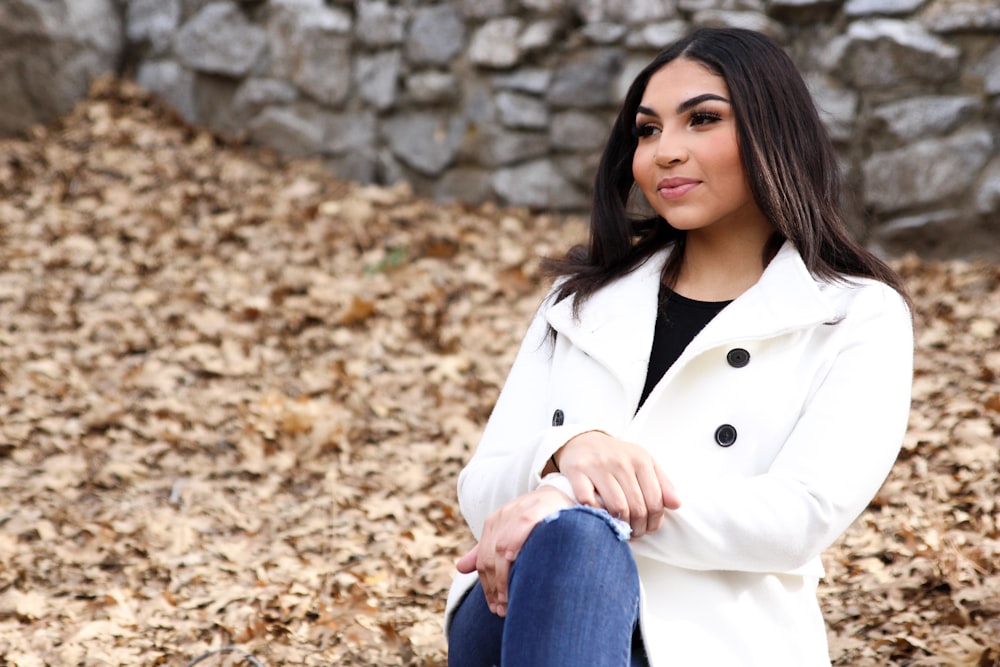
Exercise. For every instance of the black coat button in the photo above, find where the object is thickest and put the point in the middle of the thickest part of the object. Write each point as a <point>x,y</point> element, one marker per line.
<point>725,435</point>
<point>558,417</point>
<point>738,357</point>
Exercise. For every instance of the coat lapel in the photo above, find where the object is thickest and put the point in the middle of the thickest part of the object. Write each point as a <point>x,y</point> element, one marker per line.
<point>786,298</point>
<point>615,327</point>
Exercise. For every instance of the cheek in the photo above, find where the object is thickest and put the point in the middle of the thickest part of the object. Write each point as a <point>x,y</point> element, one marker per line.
<point>728,160</point>
<point>638,165</point>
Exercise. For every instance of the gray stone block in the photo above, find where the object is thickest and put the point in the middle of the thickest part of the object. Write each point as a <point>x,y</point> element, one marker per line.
<point>380,24</point>
<point>213,99</point>
<point>579,131</point>
<point>802,11</point>
<point>478,102</point>
<point>172,83</point>
<point>436,36</point>
<point>298,130</point>
<point>989,69</point>
<point>19,110</point>
<point>721,5</point>
<point>538,184</point>
<point>710,18</point>
<point>933,233</point>
<point>504,147</point>
<point>425,141</point>
<point>354,132</point>
<point>520,111</point>
<point>988,191</point>
<point>388,169</point>
<point>463,184</point>
<point>485,9</point>
<point>624,11</point>
<point>361,167</point>
<point>657,35</point>
<point>310,14</point>
<point>50,50</point>
<point>926,172</point>
<point>626,75</point>
<point>538,35</point>
<point>644,11</point>
<point>605,32</point>
<point>255,94</point>
<point>377,78</point>
<point>586,81</point>
<point>926,116</point>
<point>153,22</point>
<point>855,8</point>
<point>219,39</point>
<point>580,170</point>
<point>837,106</point>
<point>545,6</point>
<point>311,47</point>
<point>883,53</point>
<point>534,80</point>
<point>495,44</point>
<point>948,16</point>
<point>432,87</point>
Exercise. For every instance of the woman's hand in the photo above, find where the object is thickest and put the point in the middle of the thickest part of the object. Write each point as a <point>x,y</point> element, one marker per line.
<point>629,483</point>
<point>504,533</point>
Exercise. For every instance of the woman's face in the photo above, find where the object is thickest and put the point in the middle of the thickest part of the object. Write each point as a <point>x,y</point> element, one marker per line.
<point>687,161</point>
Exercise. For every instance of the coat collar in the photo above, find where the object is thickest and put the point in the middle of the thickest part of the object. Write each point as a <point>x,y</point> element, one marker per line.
<point>616,324</point>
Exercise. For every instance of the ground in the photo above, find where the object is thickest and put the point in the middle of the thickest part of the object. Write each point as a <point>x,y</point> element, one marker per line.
<point>236,394</point>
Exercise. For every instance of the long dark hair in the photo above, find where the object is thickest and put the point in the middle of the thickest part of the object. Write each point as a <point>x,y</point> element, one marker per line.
<point>787,155</point>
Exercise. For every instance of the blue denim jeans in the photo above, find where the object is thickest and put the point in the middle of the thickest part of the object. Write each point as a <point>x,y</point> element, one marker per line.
<point>573,599</point>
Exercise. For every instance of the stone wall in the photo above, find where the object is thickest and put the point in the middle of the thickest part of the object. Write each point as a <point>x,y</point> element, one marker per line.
<point>510,100</point>
<point>49,52</point>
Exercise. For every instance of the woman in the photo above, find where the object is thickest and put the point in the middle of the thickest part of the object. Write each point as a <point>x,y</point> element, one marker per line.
<point>707,399</point>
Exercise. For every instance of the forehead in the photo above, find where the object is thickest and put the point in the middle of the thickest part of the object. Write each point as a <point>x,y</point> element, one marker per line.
<point>680,80</point>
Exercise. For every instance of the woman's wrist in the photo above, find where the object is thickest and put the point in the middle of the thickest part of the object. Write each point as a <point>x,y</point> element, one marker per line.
<point>559,482</point>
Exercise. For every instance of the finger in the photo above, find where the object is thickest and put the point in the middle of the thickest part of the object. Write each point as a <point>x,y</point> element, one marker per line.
<point>467,563</point>
<point>486,563</point>
<point>652,495</point>
<point>628,477</point>
<point>583,488</point>
<point>508,547</point>
<point>670,499</point>
<point>502,574</point>
<point>615,500</point>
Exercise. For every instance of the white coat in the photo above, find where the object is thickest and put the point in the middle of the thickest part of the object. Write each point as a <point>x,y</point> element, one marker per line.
<point>818,413</point>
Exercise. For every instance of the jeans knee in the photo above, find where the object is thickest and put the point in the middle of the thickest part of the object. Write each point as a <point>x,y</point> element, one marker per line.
<point>578,551</point>
<point>586,524</point>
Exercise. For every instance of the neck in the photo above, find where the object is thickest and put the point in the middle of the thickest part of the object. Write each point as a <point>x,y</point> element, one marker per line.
<point>720,267</point>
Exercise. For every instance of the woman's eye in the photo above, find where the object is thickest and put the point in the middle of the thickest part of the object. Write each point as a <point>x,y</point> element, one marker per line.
<point>645,130</point>
<point>704,118</point>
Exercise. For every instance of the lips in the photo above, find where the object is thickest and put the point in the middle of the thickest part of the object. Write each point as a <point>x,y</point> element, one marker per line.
<point>676,187</point>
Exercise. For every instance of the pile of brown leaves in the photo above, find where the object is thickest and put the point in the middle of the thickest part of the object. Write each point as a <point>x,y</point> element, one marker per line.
<point>236,394</point>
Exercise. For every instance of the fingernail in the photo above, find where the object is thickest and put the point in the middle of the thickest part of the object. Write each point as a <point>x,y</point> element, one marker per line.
<point>501,610</point>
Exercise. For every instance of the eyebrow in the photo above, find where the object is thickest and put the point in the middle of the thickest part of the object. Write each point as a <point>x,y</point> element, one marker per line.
<point>685,105</point>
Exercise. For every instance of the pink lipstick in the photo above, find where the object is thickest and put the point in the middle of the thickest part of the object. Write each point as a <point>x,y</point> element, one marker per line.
<point>675,187</point>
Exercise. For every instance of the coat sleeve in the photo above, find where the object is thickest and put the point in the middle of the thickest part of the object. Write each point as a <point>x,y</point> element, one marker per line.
<point>838,454</point>
<point>519,436</point>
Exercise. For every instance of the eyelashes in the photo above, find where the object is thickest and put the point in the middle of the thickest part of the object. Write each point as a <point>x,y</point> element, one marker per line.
<point>696,119</point>
<point>640,131</point>
<point>704,117</point>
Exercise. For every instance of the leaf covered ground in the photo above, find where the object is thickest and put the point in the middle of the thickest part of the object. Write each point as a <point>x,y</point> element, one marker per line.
<point>235,395</point>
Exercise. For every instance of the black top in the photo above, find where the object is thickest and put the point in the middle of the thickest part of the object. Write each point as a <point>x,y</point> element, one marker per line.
<point>678,321</point>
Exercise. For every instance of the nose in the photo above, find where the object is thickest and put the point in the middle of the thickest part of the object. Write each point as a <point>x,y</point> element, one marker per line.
<point>669,150</point>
